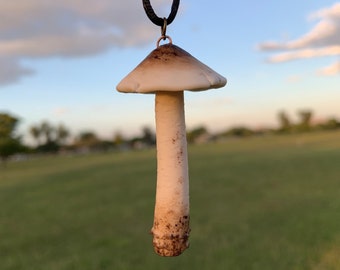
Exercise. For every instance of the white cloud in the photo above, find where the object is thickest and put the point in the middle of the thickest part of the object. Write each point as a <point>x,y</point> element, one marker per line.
<point>305,54</point>
<point>322,40</point>
<point>333,69</point>
<point>63,28</point>
<point>332,12</point>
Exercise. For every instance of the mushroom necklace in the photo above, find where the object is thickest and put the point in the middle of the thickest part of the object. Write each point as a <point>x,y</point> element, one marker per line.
<point>166,72</point>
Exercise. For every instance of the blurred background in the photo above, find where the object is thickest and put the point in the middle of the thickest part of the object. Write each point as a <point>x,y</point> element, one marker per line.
<point>78,170</point>
<point>61,62</point>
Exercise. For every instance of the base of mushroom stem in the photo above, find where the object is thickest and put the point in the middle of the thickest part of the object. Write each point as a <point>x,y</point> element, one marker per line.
<point>174,240</point>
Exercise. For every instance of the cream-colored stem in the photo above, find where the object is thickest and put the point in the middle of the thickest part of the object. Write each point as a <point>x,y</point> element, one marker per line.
<point>171,219</point>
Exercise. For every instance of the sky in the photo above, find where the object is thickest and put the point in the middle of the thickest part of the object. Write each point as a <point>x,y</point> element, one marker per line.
<point>60,61</point>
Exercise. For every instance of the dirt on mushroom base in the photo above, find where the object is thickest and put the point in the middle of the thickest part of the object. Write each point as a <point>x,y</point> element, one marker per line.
<point>176,240</point>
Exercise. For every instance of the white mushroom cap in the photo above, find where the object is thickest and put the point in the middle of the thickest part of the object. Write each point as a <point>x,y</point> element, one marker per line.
<point>170,68</point>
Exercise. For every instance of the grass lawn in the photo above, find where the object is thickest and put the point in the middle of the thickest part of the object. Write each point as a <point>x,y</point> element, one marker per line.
<point>258,203</point>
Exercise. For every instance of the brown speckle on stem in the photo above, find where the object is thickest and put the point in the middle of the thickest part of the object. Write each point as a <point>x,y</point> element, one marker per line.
<point>171,230</point>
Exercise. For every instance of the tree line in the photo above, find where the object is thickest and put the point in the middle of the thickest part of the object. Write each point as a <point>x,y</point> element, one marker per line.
<point>49,138</point>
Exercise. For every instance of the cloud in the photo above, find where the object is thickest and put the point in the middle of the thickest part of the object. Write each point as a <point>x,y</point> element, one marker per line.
<point>333,69</point>
<point>322,40</point>
<point>61,111</point>
<point>305,54</point>
<point>63,28</point>
<point>11,71</point>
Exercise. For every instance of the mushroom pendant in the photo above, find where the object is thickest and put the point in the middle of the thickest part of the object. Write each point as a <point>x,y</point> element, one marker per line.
<point>167,72</point>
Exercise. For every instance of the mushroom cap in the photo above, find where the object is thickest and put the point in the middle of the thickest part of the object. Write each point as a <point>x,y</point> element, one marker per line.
<point>170,68</point>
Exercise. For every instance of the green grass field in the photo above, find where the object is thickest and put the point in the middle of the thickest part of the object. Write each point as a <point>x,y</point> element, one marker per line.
<point>258,203</point>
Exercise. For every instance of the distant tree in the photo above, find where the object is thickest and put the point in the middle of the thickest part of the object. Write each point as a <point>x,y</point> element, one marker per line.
<point>87,137</point>
<point>62,133</point>
<point>47,131</point>
<point>118,139</point>
<point>48,137</point>
<point>9,143</point>
<point>330,124</point>
<point>50,147</point>
<point>240,132</point>
<point>305,120</point>
<point>87,140</point>
<point>42,133</point>
<point>8,124</point>
<point>148,137</point>
<point>36,133</point>
<point>284,122</point>
<point>196,133</point>
<point>9,147</point>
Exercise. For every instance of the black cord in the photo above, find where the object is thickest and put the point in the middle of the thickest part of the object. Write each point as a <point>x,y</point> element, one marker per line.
<point>157,20</point>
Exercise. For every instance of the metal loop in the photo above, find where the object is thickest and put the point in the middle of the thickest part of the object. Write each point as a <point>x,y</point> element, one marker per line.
<point>164,38</point>
<point>157,20</point>
<point>165,24</point>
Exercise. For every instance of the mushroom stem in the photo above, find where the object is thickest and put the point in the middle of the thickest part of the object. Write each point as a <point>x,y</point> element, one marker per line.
<point>171,218</point>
